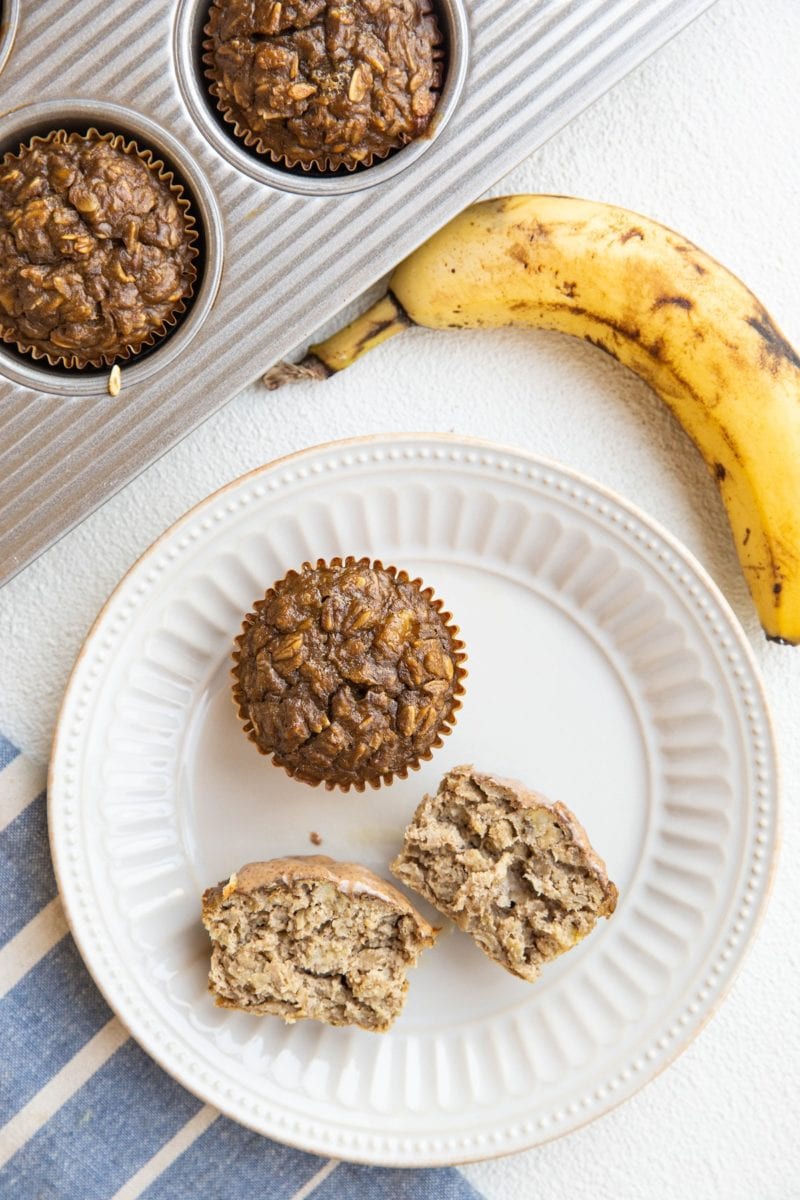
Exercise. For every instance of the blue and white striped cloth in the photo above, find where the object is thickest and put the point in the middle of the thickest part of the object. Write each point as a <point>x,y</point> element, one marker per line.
<point>84,1113</point>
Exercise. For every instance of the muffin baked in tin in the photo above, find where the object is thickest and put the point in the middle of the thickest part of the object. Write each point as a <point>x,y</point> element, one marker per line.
<point>323,84</point>
<point>97,248</point>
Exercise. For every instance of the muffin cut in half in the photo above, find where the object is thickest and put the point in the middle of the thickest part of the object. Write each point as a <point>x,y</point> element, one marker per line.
<point>509,867</point>
<point>310,937</point>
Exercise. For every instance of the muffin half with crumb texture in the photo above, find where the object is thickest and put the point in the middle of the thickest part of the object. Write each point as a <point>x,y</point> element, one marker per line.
<point>308,937</point>
<point>509,867</point>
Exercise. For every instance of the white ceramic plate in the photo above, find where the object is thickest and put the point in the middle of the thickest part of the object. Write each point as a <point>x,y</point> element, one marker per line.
<point>605,670</point>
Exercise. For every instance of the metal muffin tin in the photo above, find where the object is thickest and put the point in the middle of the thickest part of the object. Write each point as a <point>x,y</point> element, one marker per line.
<point>281,251</point>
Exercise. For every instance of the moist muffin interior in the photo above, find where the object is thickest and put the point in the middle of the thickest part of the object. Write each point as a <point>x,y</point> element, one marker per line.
<point>322,84</point>
<point>508,867</point>
<point>347,673</point>
<point>96,249</point>
<point>323,947</point>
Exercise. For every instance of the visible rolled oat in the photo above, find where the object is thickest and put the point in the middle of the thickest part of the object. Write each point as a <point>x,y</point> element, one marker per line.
<point>512,869</point>
<point>308,938</point>
<point>348,673</point>
<point>114,381</point>
<point>323,83</point>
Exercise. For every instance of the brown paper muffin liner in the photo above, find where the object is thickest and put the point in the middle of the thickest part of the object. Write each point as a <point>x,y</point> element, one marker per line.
<point>446,723</point>
<point>155,164</point>
<point>323,162</point>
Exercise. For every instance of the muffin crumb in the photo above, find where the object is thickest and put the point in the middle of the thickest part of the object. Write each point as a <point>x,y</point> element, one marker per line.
<point>510,868</point>
<point>311,938</point>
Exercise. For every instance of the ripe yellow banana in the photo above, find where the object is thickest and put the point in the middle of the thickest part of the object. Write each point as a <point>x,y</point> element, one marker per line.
<point>656,302</point>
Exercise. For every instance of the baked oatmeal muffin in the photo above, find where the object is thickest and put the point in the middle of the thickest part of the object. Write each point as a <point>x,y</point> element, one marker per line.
<point>97,249</point>
<point>348,673</point>
<point>312,938</point>
<point>509,867</point>
<point>324,83</point>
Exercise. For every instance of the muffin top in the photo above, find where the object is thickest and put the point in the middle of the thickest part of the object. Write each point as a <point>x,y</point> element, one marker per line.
<point>324,83</point>
<point>96,251</point>
<point>348,673</point>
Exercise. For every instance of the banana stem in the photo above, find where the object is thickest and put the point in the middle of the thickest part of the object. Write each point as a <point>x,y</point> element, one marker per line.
<point>382,321</point>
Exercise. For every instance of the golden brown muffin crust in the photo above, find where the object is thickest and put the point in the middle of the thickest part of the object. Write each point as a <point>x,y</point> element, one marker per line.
<point>348,673</point>
<point>349,878</point>
<point>96,252</point>
<point>323,83</point>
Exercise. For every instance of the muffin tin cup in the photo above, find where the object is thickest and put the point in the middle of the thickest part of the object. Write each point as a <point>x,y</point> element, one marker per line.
<point>8,28</point>
<point>122,127</point>
<point>189,50</point>
<point>43,119</point>
<point>321,164</point>
<point>447,724</point>
<point>157,167</point>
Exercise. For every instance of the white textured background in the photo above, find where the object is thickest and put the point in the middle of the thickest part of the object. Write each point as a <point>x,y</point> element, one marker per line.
<point>706,138</point>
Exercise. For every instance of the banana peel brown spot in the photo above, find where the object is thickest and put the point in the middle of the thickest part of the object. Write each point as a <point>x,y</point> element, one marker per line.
<point>569,290</point>
<point>733,348</point>
<point>719,471</point>
<point>518,252</point>
<point>535,231</point>
<point>630,333</point>
<point>775,350</point>
<point>601,345</point>
<point>372,330</point>
<point>676,301</point>
<point>633,232</point>
<point>726,436</point>
<point>776,555</point>
<point>746,537</point>
<point>690,249</point>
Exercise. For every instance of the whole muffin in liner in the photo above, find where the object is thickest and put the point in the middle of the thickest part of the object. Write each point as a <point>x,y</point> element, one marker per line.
<point>325,85</point>
<point>97,248</point>
<point>348,673</point>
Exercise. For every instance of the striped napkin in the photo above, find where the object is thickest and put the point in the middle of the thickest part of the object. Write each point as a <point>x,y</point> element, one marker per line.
<point>84,1113</point>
